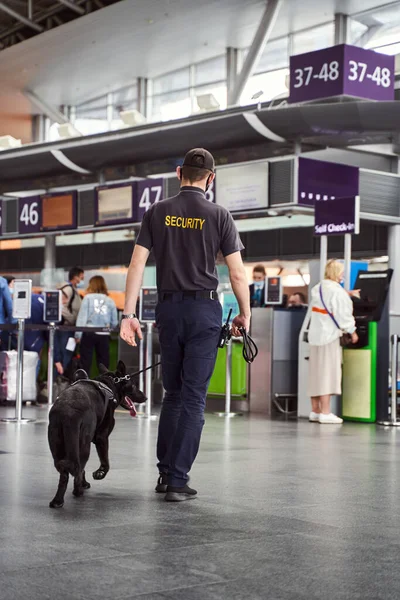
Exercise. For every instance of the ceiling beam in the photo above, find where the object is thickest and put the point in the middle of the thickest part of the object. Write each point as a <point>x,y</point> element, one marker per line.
<point>46,109</point>
<point>7,9</point>
<point>368,35</point>
<point>78,9</point>
<point>256,49</point>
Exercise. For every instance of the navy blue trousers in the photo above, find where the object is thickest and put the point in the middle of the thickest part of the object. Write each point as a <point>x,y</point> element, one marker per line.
<point>189,331</point>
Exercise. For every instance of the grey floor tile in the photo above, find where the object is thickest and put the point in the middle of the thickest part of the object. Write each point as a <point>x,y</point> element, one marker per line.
<point>286,511</point>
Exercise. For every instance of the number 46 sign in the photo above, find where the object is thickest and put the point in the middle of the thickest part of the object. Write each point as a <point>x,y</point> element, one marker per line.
<point>341,71</point>
<point>29,215</point>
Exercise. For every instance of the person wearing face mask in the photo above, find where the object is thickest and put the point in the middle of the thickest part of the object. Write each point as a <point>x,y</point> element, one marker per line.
<point>257,287</point>
<point>331,317</point>
<point>71,301</point>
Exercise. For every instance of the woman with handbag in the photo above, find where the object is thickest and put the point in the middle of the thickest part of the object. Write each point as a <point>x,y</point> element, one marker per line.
<point>332,326</point>
<point>97,310</point>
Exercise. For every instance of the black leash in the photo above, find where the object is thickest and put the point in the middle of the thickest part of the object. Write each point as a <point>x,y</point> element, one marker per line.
<point>132,375</point>
<point>250,349</point>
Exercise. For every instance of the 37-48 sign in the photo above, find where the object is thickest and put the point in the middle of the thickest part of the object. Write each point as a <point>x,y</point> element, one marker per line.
<point>341,71</point>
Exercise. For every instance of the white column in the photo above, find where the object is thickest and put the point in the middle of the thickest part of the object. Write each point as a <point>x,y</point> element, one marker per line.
<point>394,263</point>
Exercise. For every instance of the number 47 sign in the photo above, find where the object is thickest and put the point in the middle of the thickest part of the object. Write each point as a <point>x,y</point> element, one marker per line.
<point>149,192</point>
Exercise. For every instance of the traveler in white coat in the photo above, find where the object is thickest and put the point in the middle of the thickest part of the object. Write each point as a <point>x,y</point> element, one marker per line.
<point>328,299</point>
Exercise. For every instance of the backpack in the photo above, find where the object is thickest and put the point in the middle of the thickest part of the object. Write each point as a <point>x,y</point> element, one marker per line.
<point>69,305</point>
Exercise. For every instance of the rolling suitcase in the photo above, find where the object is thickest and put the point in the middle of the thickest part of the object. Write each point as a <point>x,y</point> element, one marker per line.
<point>8,376</point>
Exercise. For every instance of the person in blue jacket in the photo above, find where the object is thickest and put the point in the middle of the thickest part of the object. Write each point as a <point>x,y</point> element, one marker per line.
<point>5,312</point>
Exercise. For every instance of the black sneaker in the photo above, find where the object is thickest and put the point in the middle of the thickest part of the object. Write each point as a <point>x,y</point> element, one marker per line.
<point>179,494</point>
<point>162,484</point>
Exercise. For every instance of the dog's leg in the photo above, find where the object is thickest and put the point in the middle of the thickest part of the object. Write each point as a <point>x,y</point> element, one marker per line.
<point>85,484</point>
<point>58,500</point>
<point>79,480</point>
<point>102,451</point>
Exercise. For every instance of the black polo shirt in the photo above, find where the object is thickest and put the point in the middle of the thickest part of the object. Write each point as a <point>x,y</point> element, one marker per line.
<point>186,233</point>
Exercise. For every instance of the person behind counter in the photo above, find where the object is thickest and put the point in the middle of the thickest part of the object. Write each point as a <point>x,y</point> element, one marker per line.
<point>257,287</point>
<point>97,310</point>
<point>297,300</point>
<point>329,303</point>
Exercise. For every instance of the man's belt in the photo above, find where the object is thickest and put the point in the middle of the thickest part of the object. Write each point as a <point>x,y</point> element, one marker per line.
<point>197,295</point>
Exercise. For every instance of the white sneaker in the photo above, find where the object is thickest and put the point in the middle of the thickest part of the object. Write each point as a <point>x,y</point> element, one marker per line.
<point>314,417</point>
<point>330,419</point>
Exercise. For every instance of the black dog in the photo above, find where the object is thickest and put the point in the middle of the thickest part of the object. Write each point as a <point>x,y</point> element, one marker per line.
<point>82,414</point>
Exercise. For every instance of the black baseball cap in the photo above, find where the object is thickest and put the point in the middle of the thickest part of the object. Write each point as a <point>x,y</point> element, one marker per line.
<point>200,159</point>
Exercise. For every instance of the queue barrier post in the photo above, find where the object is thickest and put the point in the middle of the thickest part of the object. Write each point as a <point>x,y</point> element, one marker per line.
<point>20,378</point>
<point>393,422</point>
<point>228,385</point>
<point>50,363</point>
<point>149,357</point>
<point>141,365</point>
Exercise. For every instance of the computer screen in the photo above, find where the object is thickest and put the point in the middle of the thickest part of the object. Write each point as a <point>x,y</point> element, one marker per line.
<point>59,211</point>
<point>374,287</point>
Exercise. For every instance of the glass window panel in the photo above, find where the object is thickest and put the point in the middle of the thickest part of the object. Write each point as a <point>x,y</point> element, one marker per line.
<point>210,71</point>
<point>273,84</point>
<point>275,56</point>
<point>95,112</point>
<point>392,49</point>
<point>177,80</point>
<point>385,38</point>
<point>176,105</point>
<point>126,98</point>
<point>314,39</point>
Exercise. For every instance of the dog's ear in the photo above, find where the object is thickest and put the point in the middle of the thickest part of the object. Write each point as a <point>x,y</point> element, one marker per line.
<point>121,368</point>
<point>80,374</point>
<point>102,369</point>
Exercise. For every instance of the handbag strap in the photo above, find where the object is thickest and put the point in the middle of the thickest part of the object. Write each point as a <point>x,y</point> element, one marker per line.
<point>326,308</point>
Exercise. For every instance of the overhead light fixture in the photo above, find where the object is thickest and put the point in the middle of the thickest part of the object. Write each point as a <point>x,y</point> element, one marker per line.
<point>8,141</point>
<point>131,118</point>
<point>207,102</point>
<point>67,130</point>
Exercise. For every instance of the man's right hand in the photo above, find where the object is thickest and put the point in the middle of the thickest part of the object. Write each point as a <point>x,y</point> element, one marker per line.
<point>129,329</point>
<point>240,322</point>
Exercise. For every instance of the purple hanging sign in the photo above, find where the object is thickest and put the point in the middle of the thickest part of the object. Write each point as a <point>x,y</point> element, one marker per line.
<point>341,71</point>
<point>148,192</point>
<point>30,214</point>
<point>321,180</point>
<point>337,217</point>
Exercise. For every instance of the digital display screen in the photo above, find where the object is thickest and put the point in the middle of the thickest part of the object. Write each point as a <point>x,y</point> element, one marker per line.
<point>241,188</point>
<point>273,291</point>
<point>114,205</point>
<point>59,211</point>
<point>148,303</point>
<point>374,288</point>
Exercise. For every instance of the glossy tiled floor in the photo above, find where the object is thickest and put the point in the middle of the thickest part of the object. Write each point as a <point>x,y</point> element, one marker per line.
<point>285,511</point>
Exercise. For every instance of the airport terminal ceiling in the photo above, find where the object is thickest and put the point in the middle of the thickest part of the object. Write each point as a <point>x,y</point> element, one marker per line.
<point>77,61</point>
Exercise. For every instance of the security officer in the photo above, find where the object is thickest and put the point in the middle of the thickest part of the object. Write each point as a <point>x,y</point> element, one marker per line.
<point>186,233</point>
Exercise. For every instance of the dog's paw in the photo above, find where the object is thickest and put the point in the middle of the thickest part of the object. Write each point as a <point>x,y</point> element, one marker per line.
<point>86,485</point>
<point>78,492</point>
<point>56,504</point>
<point>99,474</point>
